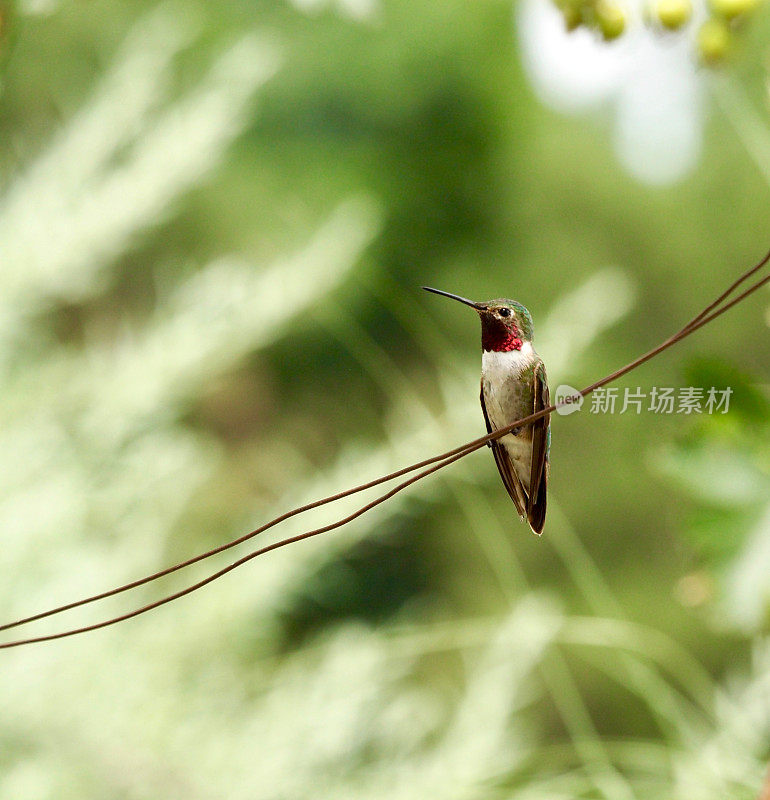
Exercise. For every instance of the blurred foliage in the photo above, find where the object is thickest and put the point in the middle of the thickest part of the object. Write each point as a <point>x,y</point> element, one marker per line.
<point>214,223</point>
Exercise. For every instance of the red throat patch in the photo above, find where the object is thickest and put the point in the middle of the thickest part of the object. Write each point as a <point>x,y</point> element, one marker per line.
<point>497,337</point>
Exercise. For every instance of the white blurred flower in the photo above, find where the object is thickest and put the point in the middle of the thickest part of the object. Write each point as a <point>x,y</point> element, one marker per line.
<point>648,80</point>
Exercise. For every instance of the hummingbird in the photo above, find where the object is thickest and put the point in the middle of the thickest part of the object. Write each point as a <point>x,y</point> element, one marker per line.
<point>513,386</point>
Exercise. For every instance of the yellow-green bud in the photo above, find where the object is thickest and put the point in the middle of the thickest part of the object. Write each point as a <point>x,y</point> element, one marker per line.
<point>672,14</point>
<point>730,9</point>
<point>714,40</point>
<point>573,18</point>
<point>611,18</point>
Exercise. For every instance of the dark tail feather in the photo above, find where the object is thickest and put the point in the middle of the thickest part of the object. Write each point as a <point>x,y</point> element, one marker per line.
<point>536,512</point>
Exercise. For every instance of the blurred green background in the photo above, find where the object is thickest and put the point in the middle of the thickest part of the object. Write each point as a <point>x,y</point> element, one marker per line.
<point>215,220</point>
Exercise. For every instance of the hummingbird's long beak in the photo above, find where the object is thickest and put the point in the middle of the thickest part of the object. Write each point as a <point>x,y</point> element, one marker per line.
<point>477,306</point>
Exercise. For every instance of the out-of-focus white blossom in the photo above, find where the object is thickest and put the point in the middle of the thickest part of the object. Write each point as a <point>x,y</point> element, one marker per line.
<point>647,82</point>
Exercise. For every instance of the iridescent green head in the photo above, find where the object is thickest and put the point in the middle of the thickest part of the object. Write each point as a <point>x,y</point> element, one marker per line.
<point>505,324</point>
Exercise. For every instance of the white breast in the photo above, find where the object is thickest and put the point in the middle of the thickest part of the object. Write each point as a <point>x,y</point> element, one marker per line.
<point>499,367</point>
<point>501,387</point>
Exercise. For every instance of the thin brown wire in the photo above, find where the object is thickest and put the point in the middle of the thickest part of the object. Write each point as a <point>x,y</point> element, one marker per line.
<point>317,503</point>
<point>230,567</point>
<point>706,316</point>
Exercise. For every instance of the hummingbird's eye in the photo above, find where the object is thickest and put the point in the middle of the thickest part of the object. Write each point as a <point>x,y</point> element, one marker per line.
<point>504,312</point>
